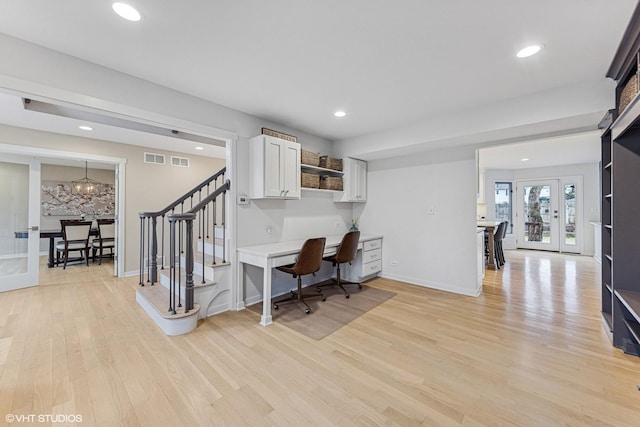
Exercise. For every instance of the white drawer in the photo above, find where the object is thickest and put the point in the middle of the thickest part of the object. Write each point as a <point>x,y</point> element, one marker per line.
<point>371,267</point>
<point>372,244</point>
<point>372,255</point>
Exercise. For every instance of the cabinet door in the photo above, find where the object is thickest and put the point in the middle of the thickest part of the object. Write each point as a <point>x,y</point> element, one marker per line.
<point>273,167</point>
<point>291,170</point>
<point>360,174</point>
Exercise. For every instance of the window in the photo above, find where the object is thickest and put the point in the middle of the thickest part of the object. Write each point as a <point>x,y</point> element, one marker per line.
<point>504,204</point>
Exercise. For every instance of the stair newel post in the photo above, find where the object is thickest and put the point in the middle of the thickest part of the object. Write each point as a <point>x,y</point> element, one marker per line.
<point>189,265</point>
<point>142,219</point>
<point>224,227</point>
<point>162,244</point>
<point>154,250</point>
<point>215,225</point>
<point>201,221</point>
<point>172,265</point>
<point>179,264</point>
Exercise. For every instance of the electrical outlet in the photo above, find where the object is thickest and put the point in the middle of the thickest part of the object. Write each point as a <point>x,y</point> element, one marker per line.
<point>268,229</point>
<point>431,210</point>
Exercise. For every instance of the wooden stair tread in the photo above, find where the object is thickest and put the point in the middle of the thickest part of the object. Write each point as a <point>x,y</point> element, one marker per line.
<point>158,296</point>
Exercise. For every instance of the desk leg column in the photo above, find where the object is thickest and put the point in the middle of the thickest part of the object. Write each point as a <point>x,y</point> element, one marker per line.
<point>52,243</point>
<point>266,294</point>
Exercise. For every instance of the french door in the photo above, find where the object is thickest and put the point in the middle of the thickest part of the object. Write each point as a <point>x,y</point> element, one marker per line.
<point>19,222</point>
<point>538,215</point>
<point>548,214</point>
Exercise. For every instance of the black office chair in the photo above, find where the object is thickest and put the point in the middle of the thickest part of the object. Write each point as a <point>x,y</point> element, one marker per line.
<point>308,262</point>
<point>346,253</point>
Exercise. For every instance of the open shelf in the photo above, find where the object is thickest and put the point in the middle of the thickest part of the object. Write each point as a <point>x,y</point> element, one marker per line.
<point>320,171</point>
<point>320,190</point>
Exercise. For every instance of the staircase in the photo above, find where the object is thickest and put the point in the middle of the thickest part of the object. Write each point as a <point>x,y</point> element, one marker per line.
<point>193,280</point>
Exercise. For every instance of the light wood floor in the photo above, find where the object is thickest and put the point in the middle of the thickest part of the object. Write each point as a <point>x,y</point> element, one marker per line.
<point>531,351</point>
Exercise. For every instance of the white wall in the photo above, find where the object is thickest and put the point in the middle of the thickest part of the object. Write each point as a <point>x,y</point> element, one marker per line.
<point>590,185</point>
<point>436,251</point>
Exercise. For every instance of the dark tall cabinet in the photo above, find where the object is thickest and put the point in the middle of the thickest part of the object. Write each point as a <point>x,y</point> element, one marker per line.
<point>621,198</point>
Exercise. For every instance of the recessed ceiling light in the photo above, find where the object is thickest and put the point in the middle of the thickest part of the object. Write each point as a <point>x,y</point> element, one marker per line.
<point>529,51</point>
<point>199,148</point>
<point>126,11</point>
<point>85,127</point>
<point>524,159</point>
<point>339,114</point>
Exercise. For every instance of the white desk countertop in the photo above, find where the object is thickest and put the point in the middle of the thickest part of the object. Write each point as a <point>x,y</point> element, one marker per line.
<point>271,255</point>
<point>289,247</point>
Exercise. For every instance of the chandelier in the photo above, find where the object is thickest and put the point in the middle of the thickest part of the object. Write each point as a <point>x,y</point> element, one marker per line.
<point>86,187</point>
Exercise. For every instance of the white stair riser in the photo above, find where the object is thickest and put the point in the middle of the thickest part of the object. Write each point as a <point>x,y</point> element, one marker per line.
<point>209,272</point>
<point>207,248</point>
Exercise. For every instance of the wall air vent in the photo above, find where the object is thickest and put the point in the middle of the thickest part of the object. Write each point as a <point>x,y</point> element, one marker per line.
<point>154,158</point>
<point>180,161</point>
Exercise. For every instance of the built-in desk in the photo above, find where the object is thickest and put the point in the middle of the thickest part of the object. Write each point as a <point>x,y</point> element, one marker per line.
<point>271,255</point>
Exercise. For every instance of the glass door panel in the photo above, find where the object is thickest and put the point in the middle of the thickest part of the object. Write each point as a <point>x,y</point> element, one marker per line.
<point>19,222</point>
<point>538,215</point>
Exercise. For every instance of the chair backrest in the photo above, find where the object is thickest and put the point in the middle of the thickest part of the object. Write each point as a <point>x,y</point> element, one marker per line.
<point>348,247</point>
<point>506,228</point>
<point>310,256</point>
<point>499,232</point>
<point>73,230</point>
<point>107,230</point>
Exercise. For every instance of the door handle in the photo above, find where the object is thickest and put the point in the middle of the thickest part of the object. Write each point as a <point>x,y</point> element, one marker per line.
<point>33,228</point>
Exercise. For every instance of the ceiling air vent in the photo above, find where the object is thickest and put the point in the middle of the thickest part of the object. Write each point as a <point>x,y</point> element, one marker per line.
<point>154,158</point>
<point>180,161</point>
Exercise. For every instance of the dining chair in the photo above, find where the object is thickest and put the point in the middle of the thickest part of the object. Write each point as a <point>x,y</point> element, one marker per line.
<point>308,262</point>
<point>105,240</point>
<point>346,253</point>
<point>497,244</point>
<point>75,238</point>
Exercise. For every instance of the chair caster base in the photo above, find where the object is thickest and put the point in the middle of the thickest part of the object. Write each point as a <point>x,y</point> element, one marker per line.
<point>275,306</point>
<point>307,311</point>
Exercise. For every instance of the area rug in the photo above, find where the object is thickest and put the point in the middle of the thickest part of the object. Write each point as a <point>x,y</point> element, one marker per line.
<point>328,316</point>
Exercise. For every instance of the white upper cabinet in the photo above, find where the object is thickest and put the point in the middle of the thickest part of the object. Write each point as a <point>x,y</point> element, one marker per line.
<point>355,181</point>
<point>275,168</point>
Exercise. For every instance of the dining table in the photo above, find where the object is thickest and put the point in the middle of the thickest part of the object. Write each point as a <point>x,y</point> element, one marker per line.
<point>51,235</point>
<point>490,226</point>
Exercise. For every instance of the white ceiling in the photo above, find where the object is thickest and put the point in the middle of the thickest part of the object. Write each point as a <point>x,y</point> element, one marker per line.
<point>295,62</point>
<point>572,149</point>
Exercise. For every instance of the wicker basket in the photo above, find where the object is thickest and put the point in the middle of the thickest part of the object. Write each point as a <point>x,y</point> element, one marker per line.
<point>331,183</point>
<point>629,92</point>
<point>310,180</point>
<point>330,163</point>
<point>309,158</point>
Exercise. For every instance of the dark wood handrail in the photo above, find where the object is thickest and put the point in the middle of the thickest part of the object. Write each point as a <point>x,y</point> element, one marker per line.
<point>224,187</point>
<point>187,195</point>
